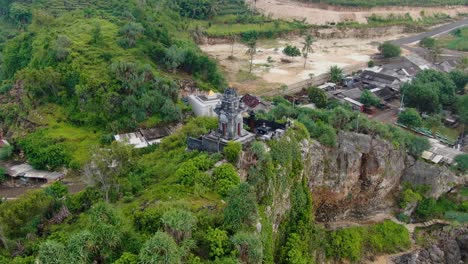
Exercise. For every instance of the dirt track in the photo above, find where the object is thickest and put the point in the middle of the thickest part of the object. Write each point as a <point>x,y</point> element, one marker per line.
<point>322,14</point>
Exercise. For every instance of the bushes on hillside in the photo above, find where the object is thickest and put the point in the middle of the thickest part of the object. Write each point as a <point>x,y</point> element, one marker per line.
<point>352,243</point>
<point>44,152</point>
<point>233,151</point>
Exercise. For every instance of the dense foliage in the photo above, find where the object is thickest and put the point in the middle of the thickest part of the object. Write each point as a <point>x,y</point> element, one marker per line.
<point>389,50</point>
<point>374,3</point>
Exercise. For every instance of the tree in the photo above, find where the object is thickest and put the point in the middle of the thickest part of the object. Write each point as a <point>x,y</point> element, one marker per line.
<point>96,34</point>
<point>462,109</point>
<point>463,63</point>
<point>131,32</point>
<point>127,258</point>
<point>307,48</point>
<point>174,57</point>
<point>232,151</point>
<point>318,97</point>
<point>160,249</point>
<point>336,74</point>
<point>434,122</point>
<point>369,99</point>
<point>416,145</point>
<point>291,51</point>
<point>179,224</point>
<point>225,178</point>
<point>249,247</point>
<point>20,14</point>
<point>218,240</point>
<point>51,252</point>
<point>252,49</point>
<point>460,78</point>
<point>389,50</point>
<point>62,47</point>
<point>410,117</point>
<point>241,207</point>
<point>461,162</point>
<point>435,53</point>
<point>427,42</point>
<point>106,165</point>
<point>233,40</point>
<point>422,96</point>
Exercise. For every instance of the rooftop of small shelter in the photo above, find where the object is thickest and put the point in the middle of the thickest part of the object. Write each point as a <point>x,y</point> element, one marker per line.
<point>440,152</point>
<point>354,94</point>
<point>27,171</point>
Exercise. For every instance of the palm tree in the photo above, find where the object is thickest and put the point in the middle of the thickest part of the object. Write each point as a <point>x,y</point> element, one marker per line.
<point>307,48</point>
<point>336,74</point>
<point>252,44</point>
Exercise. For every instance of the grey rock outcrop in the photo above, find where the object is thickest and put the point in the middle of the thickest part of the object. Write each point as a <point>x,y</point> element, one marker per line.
<point>362,175</point>
<point>440,178</point>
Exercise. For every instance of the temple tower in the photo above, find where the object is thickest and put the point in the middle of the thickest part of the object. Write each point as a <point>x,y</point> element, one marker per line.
<point>230,124</point>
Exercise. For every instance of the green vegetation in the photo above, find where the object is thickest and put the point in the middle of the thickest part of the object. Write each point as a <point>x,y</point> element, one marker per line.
<point>389,50</point>
<point>374,3</point>
<point>410,118</point>
<point>233,151</point>
<point>369,99</point>
<point>351,243</point>
<point>458,40</point>
<point>291,51</point>
<point>318,97</point>
<point>448,206</point>
<point>336,74</point>
<point>430,91</point>
<point>399,20</point>
<point>462,162</point>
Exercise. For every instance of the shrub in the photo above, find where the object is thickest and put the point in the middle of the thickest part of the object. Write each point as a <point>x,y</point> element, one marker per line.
<point>318,97</point>
<point>44,152</point>
<point>389,50</point>
<point>410,117</point>
<point>6,151</point>
<point>370,63</point>
<point>249,247</point>
<point>389,237</point>
<point>232,151</point>
<point>241,207</point>
<point>428,42</point>
<point>462,162</point>
<point>225,178</point>
<point>369,99</point>
<point>218,241</point>
<point>291,51</point>
<point>161,248</point>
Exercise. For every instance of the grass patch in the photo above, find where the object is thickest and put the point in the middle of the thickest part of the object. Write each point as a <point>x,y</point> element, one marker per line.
<point>268,29</point>
<point>79,141</point>
<point>243,76</point>
<point>397,20</point>
<point>457,40</point>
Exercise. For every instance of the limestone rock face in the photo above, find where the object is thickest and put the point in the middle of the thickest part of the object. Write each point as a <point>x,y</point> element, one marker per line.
<point>362,176</point>
<point>441,179</point>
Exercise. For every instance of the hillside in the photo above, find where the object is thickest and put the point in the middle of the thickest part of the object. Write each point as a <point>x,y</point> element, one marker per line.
<point>374,3</point>
<point>75,73</point>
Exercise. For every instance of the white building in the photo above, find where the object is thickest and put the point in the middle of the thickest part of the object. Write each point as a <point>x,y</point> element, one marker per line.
<point>204,105</point>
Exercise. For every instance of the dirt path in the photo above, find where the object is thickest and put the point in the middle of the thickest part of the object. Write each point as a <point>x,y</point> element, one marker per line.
<point>322,14</point>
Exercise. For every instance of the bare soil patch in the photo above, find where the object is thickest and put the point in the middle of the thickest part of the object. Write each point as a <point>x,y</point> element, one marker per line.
<point>269,72</point>
<point>324,14</point>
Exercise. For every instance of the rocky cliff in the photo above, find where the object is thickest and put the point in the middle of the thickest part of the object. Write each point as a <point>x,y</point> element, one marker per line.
<point>361,176</point>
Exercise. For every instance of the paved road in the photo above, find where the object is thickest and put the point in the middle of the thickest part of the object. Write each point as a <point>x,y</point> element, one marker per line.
<point>435,32</point>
